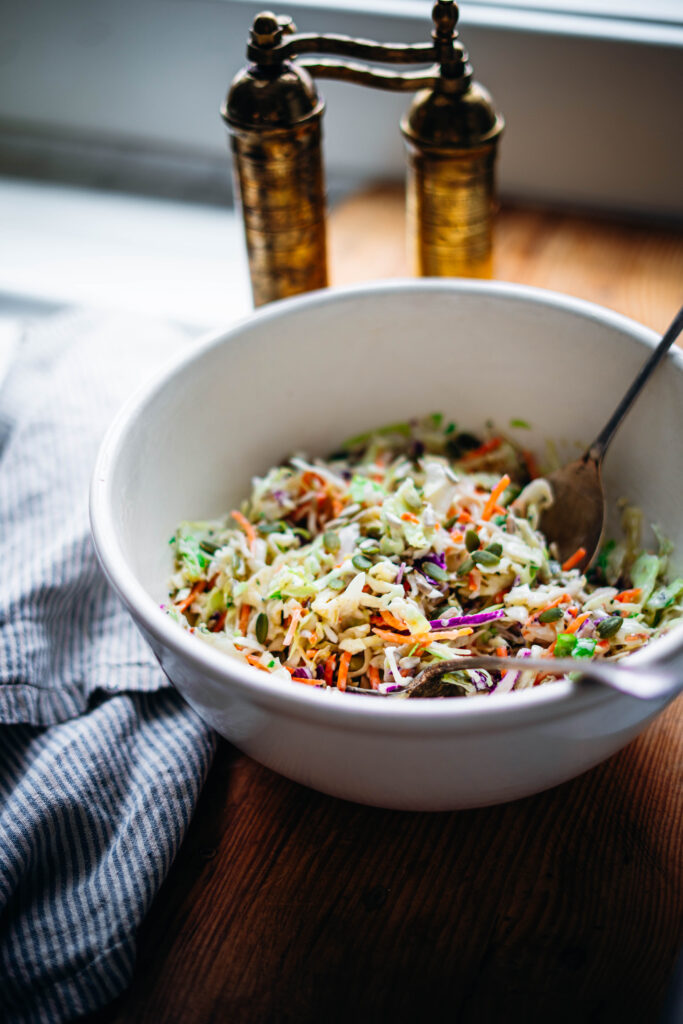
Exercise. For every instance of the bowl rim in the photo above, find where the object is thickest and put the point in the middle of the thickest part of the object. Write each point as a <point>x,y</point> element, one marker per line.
<point>559,698</point>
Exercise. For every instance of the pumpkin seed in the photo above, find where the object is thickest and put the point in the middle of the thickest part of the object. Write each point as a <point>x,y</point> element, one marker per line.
<point>609,627</point>
<point>434,570</point>
<point>261,627</point>
<point>550,615</point>
<point>485,558</point>
<point>472,542</point>
<point>361,562</point>
<point>331,541</point>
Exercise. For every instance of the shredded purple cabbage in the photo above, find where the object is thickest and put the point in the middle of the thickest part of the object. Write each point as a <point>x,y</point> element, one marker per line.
<point>467,620</point>
<point>301,673</point>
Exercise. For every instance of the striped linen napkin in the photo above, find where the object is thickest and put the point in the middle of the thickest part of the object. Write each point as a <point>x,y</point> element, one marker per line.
<point>101,762</point>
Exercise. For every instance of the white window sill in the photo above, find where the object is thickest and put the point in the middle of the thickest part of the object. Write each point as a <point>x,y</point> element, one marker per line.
<point>77,247</point>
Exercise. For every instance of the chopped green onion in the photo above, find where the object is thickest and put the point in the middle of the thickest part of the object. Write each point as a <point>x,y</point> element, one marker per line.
<point>584,648</point>
<point>566,642</point>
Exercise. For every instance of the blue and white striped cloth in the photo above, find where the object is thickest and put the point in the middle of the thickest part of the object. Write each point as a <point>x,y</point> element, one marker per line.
<point>101,763</point>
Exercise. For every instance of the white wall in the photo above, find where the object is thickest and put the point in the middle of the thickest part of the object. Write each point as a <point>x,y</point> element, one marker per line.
<point>590,121</point>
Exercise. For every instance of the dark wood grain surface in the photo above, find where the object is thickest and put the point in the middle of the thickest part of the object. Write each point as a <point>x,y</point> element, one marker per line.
<point>287,906</point>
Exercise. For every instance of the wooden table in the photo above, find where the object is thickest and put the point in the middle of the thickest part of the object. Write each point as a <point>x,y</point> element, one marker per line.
<point>288,906</point>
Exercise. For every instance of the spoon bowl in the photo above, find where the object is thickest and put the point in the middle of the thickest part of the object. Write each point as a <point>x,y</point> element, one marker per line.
<point>575,521</point>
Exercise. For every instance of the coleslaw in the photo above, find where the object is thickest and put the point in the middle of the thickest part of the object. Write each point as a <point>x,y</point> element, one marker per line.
<point>412,544</point>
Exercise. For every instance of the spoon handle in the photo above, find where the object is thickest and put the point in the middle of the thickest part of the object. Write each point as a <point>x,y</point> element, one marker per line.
<point>644,683</point>
<point>599,445</point>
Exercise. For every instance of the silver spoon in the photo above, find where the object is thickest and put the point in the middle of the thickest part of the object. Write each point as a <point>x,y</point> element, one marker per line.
<point>646,683</point>
<point>577,516</point>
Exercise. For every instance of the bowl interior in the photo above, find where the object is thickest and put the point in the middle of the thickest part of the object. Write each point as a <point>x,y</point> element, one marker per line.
<point>306,374</point>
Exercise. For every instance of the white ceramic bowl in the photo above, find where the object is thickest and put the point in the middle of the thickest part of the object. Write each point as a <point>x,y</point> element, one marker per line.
<point>306,373</point>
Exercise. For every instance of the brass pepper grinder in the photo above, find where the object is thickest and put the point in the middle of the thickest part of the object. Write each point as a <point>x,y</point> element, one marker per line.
<point>451,132</point>
<point>273,113</point>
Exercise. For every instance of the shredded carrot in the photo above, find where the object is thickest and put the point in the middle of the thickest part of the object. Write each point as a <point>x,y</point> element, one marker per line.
<point>629,596</point>
<point>531,464</point>
<point>444,634</point>
<point>559,600</point>
<point>483,449</point>
<point>549,653</point>
<point>246,526</point>
<point>329,669</point>
<point>245,612</point>
<point>220,622</point>
<point>458,538</point>
<point>490,505</point>
<point>501,652</point>
<point>395,623</point>
<point>343,670</point>
<point>577,623</point>
<point>393,638</point>
<point>474,580</point>
<point>197,589</point>
<point>635,636</point>
<point>574,559</point>
<point>572,610</point>
<point>337,507</point>
<point>309,477</point>
<point>253,660</point>
<point>373,672</point>
<point>464,517</point>
<point>291,630</point>
<point>409,517</point>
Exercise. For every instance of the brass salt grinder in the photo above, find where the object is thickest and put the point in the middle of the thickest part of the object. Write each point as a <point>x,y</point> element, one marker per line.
<point>273,113</point>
